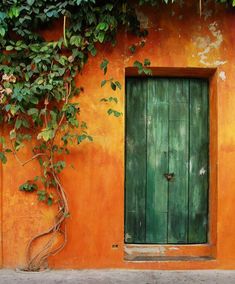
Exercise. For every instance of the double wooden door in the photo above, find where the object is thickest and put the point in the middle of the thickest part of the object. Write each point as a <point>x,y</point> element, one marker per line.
<point>166,179</point>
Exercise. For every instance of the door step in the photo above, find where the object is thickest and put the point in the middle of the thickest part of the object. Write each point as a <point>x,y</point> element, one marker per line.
<point>169,258</point>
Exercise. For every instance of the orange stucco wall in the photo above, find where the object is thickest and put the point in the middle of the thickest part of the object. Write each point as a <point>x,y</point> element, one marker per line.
<point>177,38</point>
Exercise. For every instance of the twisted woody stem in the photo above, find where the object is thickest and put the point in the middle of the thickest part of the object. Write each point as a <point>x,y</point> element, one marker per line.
<point>39,260</point>
<point>57,231</point>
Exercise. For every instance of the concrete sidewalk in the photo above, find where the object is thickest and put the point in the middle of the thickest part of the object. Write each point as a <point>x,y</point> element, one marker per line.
<point>119,276</point>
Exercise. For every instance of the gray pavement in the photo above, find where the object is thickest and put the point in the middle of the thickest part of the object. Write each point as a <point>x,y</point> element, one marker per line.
<point>119,276</point>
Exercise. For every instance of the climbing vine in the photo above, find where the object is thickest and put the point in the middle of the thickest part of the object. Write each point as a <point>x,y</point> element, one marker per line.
<point>37,87</point>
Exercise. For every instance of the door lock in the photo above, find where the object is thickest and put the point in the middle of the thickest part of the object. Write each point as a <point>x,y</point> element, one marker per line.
<point>169,176</point>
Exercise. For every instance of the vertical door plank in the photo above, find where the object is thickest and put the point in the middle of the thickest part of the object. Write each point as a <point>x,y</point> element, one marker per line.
<point>157,161</point>
<point>198,169</point>
<point>178,160</point>
<point>135,160</point>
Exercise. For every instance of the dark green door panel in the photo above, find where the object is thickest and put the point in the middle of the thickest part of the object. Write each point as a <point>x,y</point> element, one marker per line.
<point>178,161</point>
<point>198,161</point>
<point>157,161</point>
<point>166,132</point>
<point>135,160</point>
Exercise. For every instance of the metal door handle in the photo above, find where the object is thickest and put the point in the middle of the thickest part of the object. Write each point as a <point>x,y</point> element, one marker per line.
<point>169,176</point>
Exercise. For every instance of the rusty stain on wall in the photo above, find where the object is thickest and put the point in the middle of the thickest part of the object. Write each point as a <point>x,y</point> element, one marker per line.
<point>210,44</point>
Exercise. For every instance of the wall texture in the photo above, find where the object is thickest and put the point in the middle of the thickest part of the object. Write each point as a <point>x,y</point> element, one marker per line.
<point>178,37</point>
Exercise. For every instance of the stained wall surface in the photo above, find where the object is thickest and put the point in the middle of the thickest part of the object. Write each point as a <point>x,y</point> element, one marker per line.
<point>178,37</point>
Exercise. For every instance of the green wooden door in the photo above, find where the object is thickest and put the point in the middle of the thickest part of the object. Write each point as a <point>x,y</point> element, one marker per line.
<point>166,180</point>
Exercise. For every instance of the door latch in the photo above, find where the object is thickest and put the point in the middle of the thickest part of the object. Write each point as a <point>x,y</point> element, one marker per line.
<point>169,176</point>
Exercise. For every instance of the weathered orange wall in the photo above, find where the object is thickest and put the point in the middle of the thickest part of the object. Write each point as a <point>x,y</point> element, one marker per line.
<point>178,37</point>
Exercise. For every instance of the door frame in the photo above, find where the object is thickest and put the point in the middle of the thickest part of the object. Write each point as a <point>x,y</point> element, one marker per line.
<point>133,252</point>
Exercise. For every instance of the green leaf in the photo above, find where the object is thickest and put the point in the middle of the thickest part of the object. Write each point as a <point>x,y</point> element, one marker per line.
<point>7,107</point>
<point>2,140</point>
<point>37,178</point>
<point>80,138</point>
<point>109,7</point>
<point>30,2</point>
<point>138,64</point>
<point>83,125</point>
<point>104,65</point>
<point>3,158</point>
<point>46,134</point>
<point>40,161</point>
<point>147,71</point>
<point>110,99</point>
<point>32,111</point>
<point>147,62</point>
<point>114,99</point>
<point>9,47</point>
<point>132,48</point>
<point>83,137</point>
<point>104,100</point>
<point>12,134</point>
<point>92,49</point>
<point>113,86</point>
<point>41,195</point>
<point>28,187</point>
<point>59,166</point>
<point>18,123</point>
<point>25,123</point>
<point>61,71</point>
<point>90,138</point>
<point>2,16</point>
<point>141,69</point>
<point>102,26</point>
<point>93,52</point>
<point>34,100</point>
<point>78,2</point>
<point>114,112</point>
<point>76,40</point>
<point>2,31</point>
<point>103,83</point>
<point>118,84</point>
<point>101,36</point>
<point>49,201</point>
<point>14,109</point>
<point>39,81</point>
<point>13,12</point>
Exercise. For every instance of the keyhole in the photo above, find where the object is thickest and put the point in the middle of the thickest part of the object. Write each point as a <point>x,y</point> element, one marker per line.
<point>169,176</point>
